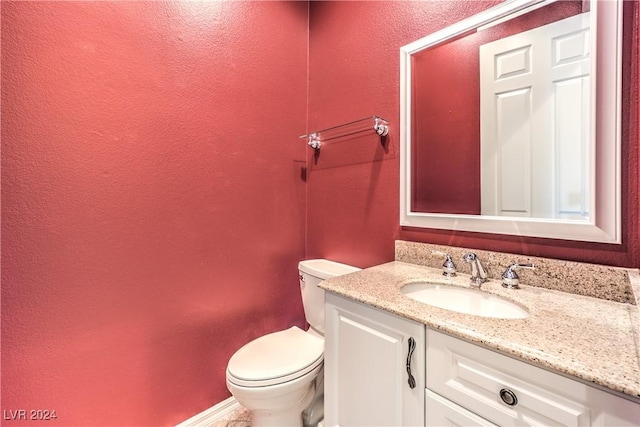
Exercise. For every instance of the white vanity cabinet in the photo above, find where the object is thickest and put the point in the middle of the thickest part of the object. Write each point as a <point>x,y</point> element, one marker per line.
<point>508,392</point>
<point>457,383</point>
<point>366,377</point>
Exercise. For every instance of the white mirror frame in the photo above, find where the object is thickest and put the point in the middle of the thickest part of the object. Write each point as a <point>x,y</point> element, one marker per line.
<point>604,224</point>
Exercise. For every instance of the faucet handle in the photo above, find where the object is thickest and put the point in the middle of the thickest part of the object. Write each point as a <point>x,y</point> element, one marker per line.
<point>510,278</point>
<point>448,267</point>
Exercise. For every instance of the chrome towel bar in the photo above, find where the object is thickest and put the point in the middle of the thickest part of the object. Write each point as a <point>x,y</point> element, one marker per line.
<point>378,124</point>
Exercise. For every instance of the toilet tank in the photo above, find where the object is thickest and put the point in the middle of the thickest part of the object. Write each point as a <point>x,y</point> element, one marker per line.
<point>312,272</point>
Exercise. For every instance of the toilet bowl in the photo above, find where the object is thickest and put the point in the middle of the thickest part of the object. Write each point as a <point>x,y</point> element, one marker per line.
<point>279,376</point>
<point>274,376</point>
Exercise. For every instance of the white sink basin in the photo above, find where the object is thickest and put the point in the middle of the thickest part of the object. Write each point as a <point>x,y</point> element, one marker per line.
<point>464,300</point>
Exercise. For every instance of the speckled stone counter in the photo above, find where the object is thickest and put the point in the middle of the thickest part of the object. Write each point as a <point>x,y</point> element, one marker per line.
<point>591,280</point>
<point>593,339</point>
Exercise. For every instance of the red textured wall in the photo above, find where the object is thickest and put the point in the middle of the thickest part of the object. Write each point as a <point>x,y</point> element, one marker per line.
<point>153,211</point>
<point>353,204</point>
<point>152,208</point>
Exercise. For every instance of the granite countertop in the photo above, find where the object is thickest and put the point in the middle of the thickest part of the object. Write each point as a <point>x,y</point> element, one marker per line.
<point>593,339</point>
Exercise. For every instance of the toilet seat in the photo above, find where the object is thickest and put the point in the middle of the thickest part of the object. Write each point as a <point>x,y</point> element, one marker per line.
<point>276,358</point>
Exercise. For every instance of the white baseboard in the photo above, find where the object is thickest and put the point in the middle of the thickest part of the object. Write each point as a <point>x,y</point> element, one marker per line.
<point>213,414</point>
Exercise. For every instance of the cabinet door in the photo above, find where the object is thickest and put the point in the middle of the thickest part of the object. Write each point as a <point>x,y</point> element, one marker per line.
<point>366,378</point>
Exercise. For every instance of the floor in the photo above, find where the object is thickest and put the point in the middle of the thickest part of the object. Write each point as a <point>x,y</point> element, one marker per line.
<point>238,418</point>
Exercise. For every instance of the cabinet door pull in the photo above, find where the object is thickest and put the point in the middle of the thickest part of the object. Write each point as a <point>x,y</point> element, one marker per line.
<point>508,397</point>
<point>412,347</point>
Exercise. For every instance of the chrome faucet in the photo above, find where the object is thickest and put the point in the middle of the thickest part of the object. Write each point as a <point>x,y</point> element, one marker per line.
<point>478,273</point>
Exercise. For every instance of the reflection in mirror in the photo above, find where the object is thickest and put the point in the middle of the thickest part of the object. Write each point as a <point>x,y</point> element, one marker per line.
<point>535,148</point>
<point>499,120</point>
<point>473,116</point>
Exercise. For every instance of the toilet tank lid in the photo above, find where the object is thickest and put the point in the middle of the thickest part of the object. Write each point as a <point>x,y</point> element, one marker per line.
<point>325,269</point>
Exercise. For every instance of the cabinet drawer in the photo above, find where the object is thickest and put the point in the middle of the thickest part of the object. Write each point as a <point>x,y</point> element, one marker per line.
<point>444,413</point>
<point>482,381</point>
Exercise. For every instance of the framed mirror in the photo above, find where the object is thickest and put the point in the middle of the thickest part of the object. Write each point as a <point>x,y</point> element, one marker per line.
<point>510,122</point>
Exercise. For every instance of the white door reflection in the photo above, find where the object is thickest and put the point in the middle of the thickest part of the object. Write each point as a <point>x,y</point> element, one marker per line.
<point>536,151</point>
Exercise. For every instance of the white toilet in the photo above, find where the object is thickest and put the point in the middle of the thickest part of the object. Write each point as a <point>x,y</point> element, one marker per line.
<point>280,375</point>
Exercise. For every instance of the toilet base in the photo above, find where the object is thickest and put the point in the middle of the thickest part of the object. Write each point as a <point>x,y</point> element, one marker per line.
<point>280,405</point>
<point>282,417</point>
<point>313,415</point>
